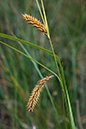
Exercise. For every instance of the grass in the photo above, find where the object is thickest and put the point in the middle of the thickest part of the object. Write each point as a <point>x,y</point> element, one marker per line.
<point>18,74</point>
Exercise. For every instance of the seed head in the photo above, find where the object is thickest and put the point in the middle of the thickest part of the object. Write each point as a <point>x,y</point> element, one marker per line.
<point>36,93</point>
<point>35,23</point>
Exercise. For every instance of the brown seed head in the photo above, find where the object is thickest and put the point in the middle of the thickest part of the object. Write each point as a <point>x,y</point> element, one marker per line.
<point>35,23</point>
<point>36,93</point>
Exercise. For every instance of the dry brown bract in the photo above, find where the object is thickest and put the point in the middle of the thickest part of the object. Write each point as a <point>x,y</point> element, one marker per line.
<point>35,23</point>
<point>36,93</point>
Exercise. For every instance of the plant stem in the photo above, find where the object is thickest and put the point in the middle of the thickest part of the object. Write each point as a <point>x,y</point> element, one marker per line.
<point>54,57</point>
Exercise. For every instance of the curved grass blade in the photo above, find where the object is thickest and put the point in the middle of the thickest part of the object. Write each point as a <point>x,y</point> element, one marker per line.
<point>30,59</point>
<point>31,44</point>
<point>24,42</point>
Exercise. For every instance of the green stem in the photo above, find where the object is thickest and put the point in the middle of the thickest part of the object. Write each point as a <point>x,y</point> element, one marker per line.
<point>60,80</point>
<point>40,11</point>
<point>64,88</point>
<point>54,55</point>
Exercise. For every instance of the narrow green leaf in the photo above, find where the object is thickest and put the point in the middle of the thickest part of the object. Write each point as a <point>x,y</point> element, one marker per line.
<point>30,58</point>
<point>24,42</point>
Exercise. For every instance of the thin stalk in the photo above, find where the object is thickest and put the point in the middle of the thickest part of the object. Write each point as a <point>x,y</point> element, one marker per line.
<point>40,11</point>
<point>54,57</point>
<point>48,35</point>
<point>65,92</point>
<point>64,112</point>
<point>67,96</point>
<point>46,24</point>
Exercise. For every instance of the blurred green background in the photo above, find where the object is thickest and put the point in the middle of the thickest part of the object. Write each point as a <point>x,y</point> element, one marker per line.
<point>18,76</point>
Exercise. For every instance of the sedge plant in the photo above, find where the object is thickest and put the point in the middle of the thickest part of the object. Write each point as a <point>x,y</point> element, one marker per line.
<point>60,76</point>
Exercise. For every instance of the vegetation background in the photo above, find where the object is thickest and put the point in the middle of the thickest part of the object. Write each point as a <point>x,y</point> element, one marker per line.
<point>18,76</point>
